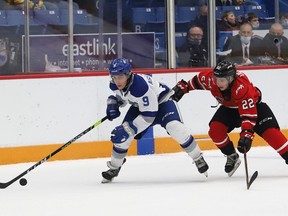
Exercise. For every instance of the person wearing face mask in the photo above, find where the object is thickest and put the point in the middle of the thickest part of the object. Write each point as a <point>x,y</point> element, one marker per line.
<point>193,53</point>
<point>284,20</point>
<point>245,48</point>
<point>276,44</point>
<point>253,19</point>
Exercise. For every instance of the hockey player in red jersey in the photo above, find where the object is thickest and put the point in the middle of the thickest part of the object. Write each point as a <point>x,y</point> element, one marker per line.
<point>241,106</point>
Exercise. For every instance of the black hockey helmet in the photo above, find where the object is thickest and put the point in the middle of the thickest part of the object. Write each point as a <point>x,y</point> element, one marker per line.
<point>225,69</point>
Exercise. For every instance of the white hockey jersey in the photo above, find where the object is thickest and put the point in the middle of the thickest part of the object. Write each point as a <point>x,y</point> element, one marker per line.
<point>146,94</point>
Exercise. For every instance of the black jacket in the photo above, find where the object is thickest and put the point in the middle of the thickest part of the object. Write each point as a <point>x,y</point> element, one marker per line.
<point>270,43</point>
<point>236,56</point>
<point>192,56</point>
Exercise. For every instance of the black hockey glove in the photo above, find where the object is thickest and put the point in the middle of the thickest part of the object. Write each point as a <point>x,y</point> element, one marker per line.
<point>246,138</point>
<point>180,89</point>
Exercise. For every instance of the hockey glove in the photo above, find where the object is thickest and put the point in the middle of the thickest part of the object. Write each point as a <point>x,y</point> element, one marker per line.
<point>112,110</point>
<point>123,132</point>
<point>246,138</point>
<point>180,89</point>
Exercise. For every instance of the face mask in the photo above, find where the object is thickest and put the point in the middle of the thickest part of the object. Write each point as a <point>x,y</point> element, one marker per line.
<point>245,40</point>
<point>256,25</point>
<point>194,42</point>
<point>284,22</point>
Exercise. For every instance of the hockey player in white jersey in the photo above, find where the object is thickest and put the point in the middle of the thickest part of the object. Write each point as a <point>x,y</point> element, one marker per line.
<point>150,105</point>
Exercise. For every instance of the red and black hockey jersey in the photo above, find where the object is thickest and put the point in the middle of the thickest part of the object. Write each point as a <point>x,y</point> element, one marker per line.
<point>241,95</point>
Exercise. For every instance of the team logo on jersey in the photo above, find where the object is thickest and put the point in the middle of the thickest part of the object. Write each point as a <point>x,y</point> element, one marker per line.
<point>239,88</point>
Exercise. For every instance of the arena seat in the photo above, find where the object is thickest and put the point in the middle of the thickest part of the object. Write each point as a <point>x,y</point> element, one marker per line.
<point>186,13</point>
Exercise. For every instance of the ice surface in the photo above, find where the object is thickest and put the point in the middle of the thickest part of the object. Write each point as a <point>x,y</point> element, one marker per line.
<point>167,184</point>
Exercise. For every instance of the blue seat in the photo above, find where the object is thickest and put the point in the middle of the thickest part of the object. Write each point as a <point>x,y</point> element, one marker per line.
<point>15,17</point>
<point>155,26</point>
<point>186,13</point>
<point>79,17</point>
<point>65,5</point>
<point>260,10</point>
<point>139,3</point>
<point>3,20</point>
<point>160,42</point>
<point>160,14</point>
<point>218,13</point>
<point>181,26</point>
<point>222,38</point>
<point>237,10</point>
<point>51,17</point>
<point>187,3</point>
<point>140,16</point>
<point>52,29</point>
<point>86,28</point>
<point>180,39</point>
<point>143,15</point>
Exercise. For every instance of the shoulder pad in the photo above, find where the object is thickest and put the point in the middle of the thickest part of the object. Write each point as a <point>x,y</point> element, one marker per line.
<point>139,86</point>
<point>113,86</point>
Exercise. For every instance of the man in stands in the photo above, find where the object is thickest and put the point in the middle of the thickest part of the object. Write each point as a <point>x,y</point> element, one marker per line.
<point>245,47</point>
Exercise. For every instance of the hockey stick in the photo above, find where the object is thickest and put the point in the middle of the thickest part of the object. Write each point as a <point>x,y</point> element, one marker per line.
<point>255,174</point>
<point>5,185</point>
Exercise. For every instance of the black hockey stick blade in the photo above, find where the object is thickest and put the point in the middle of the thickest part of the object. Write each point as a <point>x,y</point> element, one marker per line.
<point>255,174</point>
<point>6,184</point>
<point>252,179</point>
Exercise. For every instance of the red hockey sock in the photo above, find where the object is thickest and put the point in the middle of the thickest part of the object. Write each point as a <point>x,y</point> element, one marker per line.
<point>276,139</point>
<point>218,133</point>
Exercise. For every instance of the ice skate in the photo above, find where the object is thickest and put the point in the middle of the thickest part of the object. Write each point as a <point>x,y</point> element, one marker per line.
<point>201,165</point>
<point>232,163</point>
<point>110,174</point>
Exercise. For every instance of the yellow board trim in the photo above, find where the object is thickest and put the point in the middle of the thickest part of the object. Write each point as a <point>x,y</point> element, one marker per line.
<point>102,149</point>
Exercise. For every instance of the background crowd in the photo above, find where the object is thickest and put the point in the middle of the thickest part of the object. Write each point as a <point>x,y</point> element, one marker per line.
<point>247,31</point>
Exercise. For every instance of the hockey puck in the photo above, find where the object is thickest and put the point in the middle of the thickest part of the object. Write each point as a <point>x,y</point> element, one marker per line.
<point>23,181</point>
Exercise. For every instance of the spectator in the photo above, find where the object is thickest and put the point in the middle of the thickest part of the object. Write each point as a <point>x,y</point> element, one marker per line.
<point>193,53</point>
<point>253,19</point>
<point>243,2</point>
<point>228,21</point>
<point>275,43</point>
<point>33,4</point>
<point>223,2</point>
<point>17,4</point>
<point>245,49</point>
<point>284,20</point>
<point>202,21</point>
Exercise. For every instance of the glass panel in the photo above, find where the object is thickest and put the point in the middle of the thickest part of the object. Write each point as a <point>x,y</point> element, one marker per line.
<point>191,34</point>
<point>251,44</point>
<point>136,29</point>
<point>149,17</point>
<point>11,28</point>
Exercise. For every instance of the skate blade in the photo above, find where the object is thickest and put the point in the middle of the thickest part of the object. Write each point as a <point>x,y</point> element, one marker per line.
<point>105,181</point>
<point>235,167</point>
<point>206,174</point>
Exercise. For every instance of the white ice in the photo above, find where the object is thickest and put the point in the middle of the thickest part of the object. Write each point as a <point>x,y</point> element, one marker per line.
<point>167,184</point>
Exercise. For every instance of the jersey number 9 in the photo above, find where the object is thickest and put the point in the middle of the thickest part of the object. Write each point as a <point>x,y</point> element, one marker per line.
<point>145,101</point>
